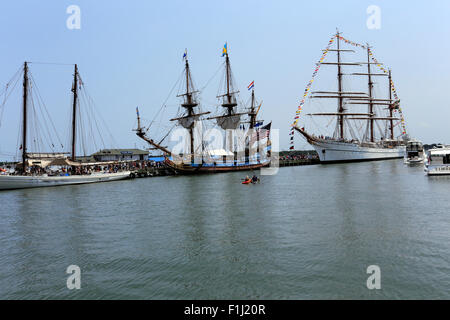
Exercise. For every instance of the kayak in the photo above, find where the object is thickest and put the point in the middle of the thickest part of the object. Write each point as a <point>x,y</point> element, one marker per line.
<point>246,181</point>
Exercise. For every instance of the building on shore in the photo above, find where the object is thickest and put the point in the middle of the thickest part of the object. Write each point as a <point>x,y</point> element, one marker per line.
<point>120,155</point>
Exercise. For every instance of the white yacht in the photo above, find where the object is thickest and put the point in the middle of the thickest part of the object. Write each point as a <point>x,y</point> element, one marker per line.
<point>414,152</point>
<point>438,161</point>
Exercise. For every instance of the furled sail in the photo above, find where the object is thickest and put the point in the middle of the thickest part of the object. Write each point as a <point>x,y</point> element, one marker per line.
<point>230,122</point>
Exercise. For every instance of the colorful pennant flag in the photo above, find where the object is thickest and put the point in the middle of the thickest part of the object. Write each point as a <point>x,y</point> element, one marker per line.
<point>224,50</point>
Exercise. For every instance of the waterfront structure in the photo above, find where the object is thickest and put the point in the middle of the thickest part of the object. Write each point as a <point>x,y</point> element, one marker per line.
<point>120,155</point>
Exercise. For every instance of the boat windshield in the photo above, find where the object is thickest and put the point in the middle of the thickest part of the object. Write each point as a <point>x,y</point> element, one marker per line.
<point>414,146</point>
<point>440,159</point>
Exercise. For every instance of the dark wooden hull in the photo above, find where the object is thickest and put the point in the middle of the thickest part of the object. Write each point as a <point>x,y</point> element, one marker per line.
<point>188,169</point>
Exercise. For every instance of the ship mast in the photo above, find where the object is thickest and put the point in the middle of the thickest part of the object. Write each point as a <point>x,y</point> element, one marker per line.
<point>24,120</point>
<point>74,111</point>
<point>370,83</point>
<point>230,104</point>
<point>391,122</point>
<point>141,134</point>
<point>230,119</point>
<point>341,108</point>
<point>189,105</point>
<point>188,120</point>
<point>253,114</point>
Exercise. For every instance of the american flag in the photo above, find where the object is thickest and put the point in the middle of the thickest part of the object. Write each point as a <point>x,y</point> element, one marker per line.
<point>263,132</point>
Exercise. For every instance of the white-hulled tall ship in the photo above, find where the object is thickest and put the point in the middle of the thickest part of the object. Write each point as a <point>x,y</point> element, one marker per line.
<point>358,134</point>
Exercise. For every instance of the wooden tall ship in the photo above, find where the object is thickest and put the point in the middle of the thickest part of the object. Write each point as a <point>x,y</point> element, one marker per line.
<point>355,136</point>
<point>203,160</point>
<point>23,178</point>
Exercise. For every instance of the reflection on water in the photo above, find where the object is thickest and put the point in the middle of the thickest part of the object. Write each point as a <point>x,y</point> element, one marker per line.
<point>307,232</point>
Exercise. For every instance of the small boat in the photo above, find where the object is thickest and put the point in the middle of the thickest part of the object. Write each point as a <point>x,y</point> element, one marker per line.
<point>414,152</point>
<point>438,161</point>
<point>247,181</point>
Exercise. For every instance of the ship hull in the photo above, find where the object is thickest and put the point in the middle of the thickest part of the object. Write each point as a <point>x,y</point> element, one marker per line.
<point>203,169</point>
<point>8,182</point>
<point>334,152</point>
<point>437,170</point>
<point>331,151</point>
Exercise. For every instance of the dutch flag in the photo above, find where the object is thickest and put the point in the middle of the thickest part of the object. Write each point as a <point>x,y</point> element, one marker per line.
<point>251,85</point>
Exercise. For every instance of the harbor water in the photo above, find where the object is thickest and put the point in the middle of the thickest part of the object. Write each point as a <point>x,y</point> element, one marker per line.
<point>308,232</point>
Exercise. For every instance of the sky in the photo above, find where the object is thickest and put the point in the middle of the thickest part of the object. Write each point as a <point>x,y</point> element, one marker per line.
<point>130,54</point>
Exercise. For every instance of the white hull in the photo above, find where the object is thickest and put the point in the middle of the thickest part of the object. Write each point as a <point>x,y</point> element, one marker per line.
<point>441,170</point>
<point>21,182</point>
<point>334,151</point>
<point>414,161</point>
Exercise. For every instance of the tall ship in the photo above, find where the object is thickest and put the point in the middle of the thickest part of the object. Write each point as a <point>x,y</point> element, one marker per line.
<point>358,117</point>
<point>246,142</point>
<point>31,172</point>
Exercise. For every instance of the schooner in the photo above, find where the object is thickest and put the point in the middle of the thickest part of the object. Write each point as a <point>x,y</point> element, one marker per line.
<point>23,178</point>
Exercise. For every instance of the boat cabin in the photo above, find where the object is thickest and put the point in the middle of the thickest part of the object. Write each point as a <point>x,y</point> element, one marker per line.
<point>414,149</point>
<point>438,161</point>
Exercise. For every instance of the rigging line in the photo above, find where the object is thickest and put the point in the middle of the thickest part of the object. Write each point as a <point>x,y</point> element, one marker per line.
<point>165,101</point>
<point>42,106</point>
<point>91,109</point>
<point>81,131</point>
<point>19,71</point>
<point>173,127</point>
<point>379,128</point>
<point>214,75</point>
<point>88,123</point>
<point>7,95</point>
<point>18,137</point>
<point>90,115</point>
<point>52,63</point>
<point>92,102</point>
<point>35,126</point>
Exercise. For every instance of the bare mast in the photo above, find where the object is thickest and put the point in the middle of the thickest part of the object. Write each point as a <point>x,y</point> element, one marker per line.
<point>341,107</point>
<point>74,111</point>
<point>370,83</point>
<point>24,120</point>
<point>391,106</point>
<point>253,115</point>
